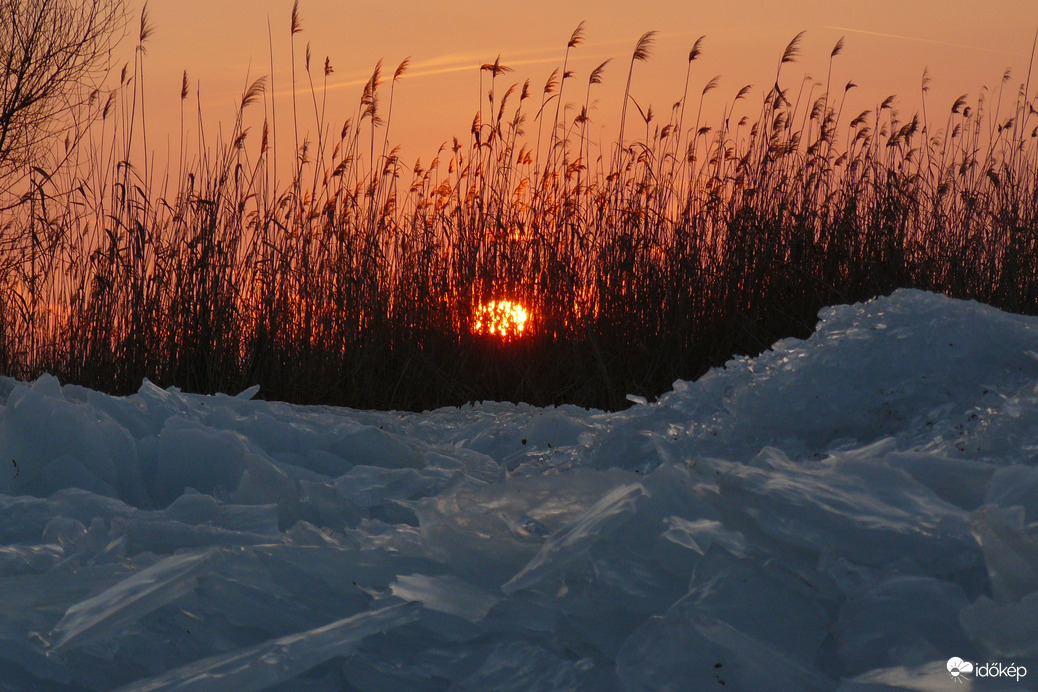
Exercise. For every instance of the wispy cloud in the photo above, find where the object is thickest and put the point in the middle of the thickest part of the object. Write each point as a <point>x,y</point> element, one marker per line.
<point>919,39</point>
<point>470,61</point>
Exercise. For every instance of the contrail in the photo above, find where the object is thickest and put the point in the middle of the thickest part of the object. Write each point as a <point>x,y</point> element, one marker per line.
<point>447,64</point>
<point>927,40</point>
<point>423,71</point>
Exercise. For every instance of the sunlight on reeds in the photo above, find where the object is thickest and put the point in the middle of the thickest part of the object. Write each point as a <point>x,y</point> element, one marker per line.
<point>653,257</point>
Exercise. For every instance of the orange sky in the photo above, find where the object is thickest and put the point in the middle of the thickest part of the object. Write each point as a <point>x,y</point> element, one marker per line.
<point>965,45</point>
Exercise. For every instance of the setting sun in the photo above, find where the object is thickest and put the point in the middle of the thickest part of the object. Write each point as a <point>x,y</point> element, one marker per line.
<point>500,318</point>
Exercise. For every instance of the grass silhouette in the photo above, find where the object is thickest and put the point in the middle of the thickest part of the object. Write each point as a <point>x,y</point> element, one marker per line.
<point>642,260</point>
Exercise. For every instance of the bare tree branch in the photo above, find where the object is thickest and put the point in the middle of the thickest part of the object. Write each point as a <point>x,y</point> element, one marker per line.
<point>54,56</point>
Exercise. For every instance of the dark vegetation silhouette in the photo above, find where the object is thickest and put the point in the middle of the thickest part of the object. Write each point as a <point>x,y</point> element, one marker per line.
<point>352,279</point>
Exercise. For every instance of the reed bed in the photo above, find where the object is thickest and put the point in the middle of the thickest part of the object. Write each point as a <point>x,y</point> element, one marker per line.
<point>354,279</point>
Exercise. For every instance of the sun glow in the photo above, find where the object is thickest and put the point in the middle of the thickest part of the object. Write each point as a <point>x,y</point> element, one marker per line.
<point>503,318</point>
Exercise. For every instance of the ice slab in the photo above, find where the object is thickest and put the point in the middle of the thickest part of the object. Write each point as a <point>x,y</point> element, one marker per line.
<point>279,660</point>
<point>842,512</point>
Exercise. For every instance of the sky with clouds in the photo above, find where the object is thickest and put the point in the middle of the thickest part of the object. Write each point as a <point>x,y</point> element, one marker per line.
<point>964,46</point>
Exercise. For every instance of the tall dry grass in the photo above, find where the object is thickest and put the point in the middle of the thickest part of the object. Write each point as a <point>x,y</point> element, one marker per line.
<point>642,260</point>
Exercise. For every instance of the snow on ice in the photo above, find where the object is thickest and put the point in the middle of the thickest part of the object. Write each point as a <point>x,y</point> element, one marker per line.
<point>848,512</point>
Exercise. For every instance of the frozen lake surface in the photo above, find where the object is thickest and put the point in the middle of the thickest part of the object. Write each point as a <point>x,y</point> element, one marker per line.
<point>846,512</point>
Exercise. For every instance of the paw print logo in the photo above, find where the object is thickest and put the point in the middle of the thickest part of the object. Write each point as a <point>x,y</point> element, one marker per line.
<point>958,669</point>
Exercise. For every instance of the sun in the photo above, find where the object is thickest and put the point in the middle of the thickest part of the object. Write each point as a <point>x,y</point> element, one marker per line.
<point>504,318</point>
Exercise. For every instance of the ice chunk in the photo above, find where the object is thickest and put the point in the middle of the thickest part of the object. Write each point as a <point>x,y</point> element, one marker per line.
<point>912,366</point>
<point>195,508</point>
<point>48,443</point>
<point>65,472</point>
<point>686,649</point>
<point>187,454</point>
<point>521,666</point>
<point>130,599</point>
<point>1006,625</point>
<point>565,545</point>
<point>961,482</point>
<point>1011,555</point>
<point>368,445</point>
<point>910,620</point>
<point>278,660</point>
<point>159,405</point>
<point>699,535</point>
<point>1006,629</point>
<point>47,386</point>
<point>852,507</point>
<point>247,393</point>
<point>36,559</point>
<point>768,600</point>
<point>858,508</point>
<point>371,486</point>
<point>480,532</point>
<point>1015,485</point>
<point>927,677</point>
<point>553,428</point>
<point>446,594</point>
